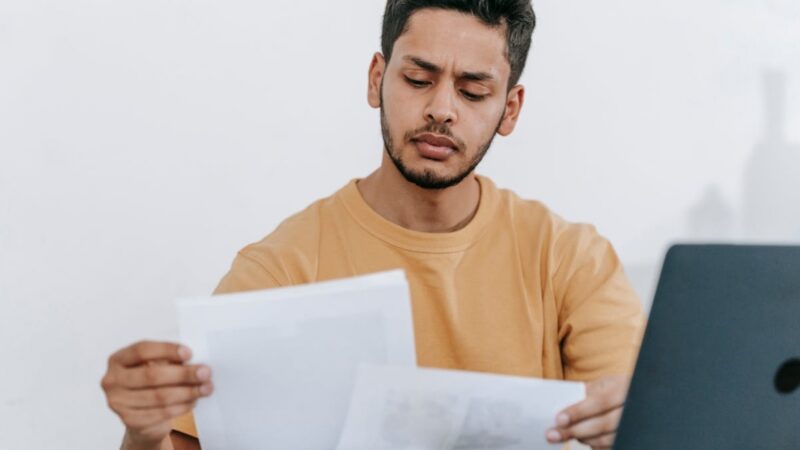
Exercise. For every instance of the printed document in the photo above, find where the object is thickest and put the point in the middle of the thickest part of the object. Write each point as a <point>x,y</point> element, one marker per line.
<point>284,360</point>
<point>402,408</point>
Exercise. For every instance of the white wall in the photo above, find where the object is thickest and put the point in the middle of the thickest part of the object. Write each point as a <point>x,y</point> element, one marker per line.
<point>142,143</point>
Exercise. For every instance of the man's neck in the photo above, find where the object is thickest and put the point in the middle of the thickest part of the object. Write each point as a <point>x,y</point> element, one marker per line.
<point>401,202</point>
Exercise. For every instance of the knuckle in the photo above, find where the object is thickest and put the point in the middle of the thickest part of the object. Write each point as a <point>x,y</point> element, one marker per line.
<point>605,402</point>
<point>106,382</point>
<point>143,349</point>
<point>138,350</point>
<point>575,412</point>
<point>160,397</point>
<point>190,374</point>
<point>151,375</point>
<point>575,416</point>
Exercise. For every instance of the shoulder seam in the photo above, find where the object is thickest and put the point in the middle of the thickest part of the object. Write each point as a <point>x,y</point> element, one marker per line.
<point>261,265</point>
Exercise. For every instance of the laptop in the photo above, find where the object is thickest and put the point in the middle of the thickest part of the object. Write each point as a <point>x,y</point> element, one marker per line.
<point>719,366</point>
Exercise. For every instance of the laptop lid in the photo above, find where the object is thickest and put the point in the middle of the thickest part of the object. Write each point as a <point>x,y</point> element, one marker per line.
<point>719,366</point>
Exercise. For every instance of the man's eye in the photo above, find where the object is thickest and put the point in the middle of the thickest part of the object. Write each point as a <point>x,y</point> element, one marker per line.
<point>472,97</point>
<point>417,83</point>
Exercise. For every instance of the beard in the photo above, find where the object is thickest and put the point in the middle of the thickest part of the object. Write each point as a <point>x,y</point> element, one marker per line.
<point>427,179</point>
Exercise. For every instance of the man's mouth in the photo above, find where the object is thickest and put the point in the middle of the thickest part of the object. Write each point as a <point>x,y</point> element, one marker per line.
<point>434,146</point>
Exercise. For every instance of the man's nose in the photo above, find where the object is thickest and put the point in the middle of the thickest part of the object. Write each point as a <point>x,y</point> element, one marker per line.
<point>441,107</point>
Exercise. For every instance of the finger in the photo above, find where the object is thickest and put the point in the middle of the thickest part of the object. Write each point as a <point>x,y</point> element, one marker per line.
<point>593,405</point>
<point>140,419</point>
<point>600,442</point>
<point>595,426</point>
<point>151,376</point>
<point>144,351</point>
<point>159,397</point>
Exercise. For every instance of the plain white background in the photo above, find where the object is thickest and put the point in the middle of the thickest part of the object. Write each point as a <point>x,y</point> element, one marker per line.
<point>143,143</point>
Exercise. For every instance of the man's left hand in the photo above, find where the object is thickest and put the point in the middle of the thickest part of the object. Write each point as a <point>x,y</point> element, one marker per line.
<point>593,421</point>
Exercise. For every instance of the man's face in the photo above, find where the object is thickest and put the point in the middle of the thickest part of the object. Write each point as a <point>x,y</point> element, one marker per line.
<point>443,96</point>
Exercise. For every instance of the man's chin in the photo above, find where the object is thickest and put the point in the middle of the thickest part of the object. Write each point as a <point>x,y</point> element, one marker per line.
<point>430,180</point>
<point>428,173</point>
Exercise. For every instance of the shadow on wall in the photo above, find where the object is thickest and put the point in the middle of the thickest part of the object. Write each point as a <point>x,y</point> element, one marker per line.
<point>770,210</point>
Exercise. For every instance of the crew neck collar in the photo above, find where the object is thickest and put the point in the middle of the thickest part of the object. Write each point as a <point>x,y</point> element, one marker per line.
<point>419,241</point>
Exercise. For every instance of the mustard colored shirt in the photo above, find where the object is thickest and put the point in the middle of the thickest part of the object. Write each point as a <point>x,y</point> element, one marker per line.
<point>517,291</point>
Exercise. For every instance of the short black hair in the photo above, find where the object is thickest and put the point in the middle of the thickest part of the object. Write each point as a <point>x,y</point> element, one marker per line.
<point>517,15</point>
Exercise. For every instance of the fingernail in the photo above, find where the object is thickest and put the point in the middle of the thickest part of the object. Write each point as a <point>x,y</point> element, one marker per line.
<point>553,436</point>
<point>203,373</point>
<point>205,389</point>
<point>562,420</point>
<point>184,353</point>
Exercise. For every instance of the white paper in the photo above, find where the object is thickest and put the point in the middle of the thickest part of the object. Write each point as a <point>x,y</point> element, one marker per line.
<point>284,360</point>
<point>400,408</point>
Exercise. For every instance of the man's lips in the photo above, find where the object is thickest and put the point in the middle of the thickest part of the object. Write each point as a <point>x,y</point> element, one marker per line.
<point>433,146</point>
<point>436,140</point>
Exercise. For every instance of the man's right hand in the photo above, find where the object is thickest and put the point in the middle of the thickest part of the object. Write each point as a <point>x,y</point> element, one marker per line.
<point>148,384</point>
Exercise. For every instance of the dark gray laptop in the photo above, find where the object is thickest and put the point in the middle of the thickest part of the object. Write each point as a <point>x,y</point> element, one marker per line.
<point>719,366</point>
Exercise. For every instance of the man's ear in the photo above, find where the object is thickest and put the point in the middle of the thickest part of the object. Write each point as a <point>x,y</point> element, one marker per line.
<point>376,70</point>
<point>514,101</point>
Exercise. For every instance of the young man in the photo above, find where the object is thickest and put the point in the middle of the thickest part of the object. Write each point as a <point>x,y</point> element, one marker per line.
<point>498,284</point>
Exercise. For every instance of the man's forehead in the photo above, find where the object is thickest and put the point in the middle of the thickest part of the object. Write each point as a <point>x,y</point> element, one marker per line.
<point>451,38</point>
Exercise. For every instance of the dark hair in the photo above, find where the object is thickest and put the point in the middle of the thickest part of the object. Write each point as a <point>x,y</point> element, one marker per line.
<point>517,15</point>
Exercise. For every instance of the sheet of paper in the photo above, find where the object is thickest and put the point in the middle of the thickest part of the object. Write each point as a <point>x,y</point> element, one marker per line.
<point>401,408</point>
<point>284,360</point>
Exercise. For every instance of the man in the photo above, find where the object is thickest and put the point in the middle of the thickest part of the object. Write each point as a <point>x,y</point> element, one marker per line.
<point>498,284</point>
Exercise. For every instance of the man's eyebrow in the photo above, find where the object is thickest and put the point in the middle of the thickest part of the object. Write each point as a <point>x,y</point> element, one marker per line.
<point>431,67</point>
<point>425,65</point>
<point>477,76</point>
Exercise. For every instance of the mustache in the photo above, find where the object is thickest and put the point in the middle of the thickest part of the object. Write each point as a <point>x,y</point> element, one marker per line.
<point>436,128</point>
